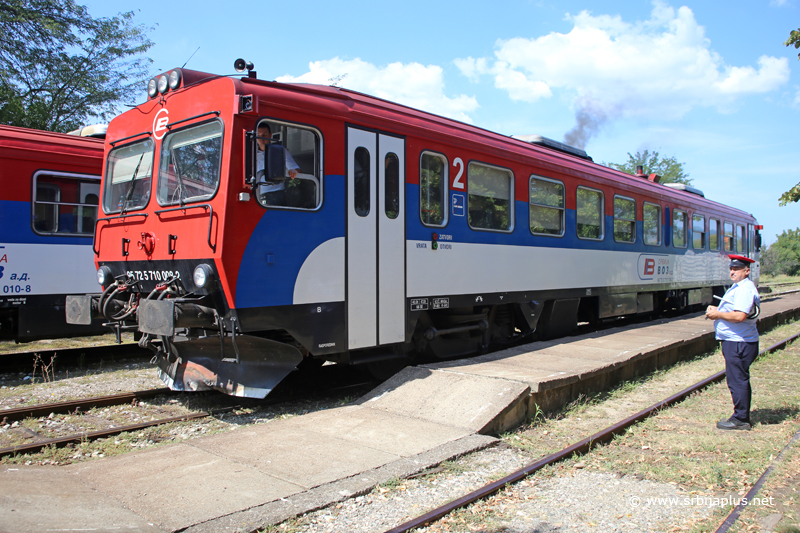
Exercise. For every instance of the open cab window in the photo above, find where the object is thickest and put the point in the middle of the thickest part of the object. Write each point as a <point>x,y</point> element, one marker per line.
<point>129,173</point>
<point>292,157</point>
<point>190,161</point>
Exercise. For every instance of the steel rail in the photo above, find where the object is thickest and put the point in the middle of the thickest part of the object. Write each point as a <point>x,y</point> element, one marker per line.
<point>35,411</point>
<point>734,514</point>
<point>580,447</point>
<point>94,435</point>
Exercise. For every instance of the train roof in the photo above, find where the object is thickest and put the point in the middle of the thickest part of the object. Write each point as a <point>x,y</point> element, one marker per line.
<point>14,140</point>
<point>404,119</point>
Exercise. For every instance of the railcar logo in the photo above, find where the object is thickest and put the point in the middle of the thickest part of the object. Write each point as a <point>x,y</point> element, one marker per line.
<point>655,266</point>
<point>160,124</point>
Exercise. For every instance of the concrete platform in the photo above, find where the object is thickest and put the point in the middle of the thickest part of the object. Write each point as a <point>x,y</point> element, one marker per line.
<point>244,479</point>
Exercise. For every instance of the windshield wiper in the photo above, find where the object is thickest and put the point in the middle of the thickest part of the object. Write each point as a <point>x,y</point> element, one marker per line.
<point>178,176</point>
<point>129,193</point>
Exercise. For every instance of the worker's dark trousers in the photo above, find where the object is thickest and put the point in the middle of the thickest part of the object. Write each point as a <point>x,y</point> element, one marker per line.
<point>738,358</point>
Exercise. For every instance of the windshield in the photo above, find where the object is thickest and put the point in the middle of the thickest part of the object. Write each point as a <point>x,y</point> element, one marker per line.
<point>129,173</point>
<point>189,167</point>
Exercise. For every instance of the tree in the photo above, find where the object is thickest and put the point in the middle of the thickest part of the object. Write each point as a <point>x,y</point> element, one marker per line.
<point>793,194</point>
<point>670,170</point>
<point>783,255</point>
<point>59,67</point>
<point>794,40</point>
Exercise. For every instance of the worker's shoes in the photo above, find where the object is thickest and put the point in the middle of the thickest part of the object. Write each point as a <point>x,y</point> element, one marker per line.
<point>733,423</point>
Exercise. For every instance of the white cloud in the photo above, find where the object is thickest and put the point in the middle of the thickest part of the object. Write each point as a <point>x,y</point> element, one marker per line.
<point>657,68</point>
<point>411,84</point>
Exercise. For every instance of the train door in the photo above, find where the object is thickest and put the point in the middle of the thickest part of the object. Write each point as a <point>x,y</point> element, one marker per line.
<point>375,239</point>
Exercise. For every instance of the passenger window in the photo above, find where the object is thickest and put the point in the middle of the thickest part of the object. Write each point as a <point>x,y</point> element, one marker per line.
<point>190,164</point>
<point>129,172</point>
<point>391,185</point>
<point>713,234</point>
<point>698,232</point>
<point>65,204</point>
<point>728,237</point>
<point>589,214</point>
<point>433,179</point>
<point>546,209</point>
<point>679,228</point>
<point>489,197</point>
<point>651,224</point>
<point>302,151</point>
<point>624,219</point>
<point>741,243</point>
<point>361,185</point>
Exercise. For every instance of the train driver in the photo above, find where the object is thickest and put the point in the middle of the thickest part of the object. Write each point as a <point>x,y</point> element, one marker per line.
<point>272,192</point>
<point>735,326</point>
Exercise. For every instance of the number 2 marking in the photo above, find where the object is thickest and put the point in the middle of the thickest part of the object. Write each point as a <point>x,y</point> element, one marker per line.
<point>457,183</point>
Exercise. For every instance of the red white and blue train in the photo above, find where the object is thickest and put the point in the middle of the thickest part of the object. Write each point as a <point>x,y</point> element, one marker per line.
<point>49,191</point>
<point>249,227</point>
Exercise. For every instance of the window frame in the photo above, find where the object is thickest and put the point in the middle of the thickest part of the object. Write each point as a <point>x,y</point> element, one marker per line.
<point>602,214</point>
<point>319,162</point>
<point>685,227</point>
<point>80,178</point>
<point>562,209</point>
<point>716,233</point>
<point>109,182</point>
<point>191,199</point>
<point>633,221</point>
<point>445,189</point>
<point>703,233</point>
<point>741,242</point>
<point>511,198</point>
<point>659,231</point>
<point>725,236</point>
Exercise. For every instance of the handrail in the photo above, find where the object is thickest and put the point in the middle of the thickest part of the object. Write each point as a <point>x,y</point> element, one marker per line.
<point>99,220</point>
<point>173,124</point>
<point>204,206</point>
<point>148,133</point>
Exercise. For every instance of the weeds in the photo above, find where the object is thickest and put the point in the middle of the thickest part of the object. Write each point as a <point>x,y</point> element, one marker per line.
<point>47,370</point>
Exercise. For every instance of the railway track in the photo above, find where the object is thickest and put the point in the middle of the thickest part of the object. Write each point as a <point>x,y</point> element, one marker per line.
<point>317,384</point>
<point>587,444</point>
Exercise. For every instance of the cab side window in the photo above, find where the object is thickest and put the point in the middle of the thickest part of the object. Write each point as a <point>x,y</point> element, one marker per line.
<point>300,186</point>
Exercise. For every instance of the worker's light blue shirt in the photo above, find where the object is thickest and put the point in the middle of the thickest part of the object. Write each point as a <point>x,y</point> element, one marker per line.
<point>740,297</point>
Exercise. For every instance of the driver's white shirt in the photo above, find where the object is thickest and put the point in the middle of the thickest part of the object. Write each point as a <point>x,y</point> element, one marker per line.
<point>272,186</point>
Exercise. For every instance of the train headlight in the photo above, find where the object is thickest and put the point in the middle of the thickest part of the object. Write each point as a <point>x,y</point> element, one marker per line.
<point>104,276</point>
<point>174,79</point>
<point>163,83</point>
<point>152,88</point>
<point>202,276</point>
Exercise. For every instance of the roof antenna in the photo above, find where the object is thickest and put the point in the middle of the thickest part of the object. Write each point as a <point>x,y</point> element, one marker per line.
<point>191,56</point>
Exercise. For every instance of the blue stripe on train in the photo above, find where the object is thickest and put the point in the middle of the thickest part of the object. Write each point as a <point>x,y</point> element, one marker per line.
<point>458,227</point>
<point>286,238</point>
<point>15,227</point>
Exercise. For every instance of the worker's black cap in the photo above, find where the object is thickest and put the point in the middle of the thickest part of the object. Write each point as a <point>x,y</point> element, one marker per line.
<point>740,261</point>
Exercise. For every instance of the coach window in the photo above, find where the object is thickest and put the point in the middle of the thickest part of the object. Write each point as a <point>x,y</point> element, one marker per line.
<point>728,236</point>
<point>624,219</point>
<point>391,186</point>
<point>698,232</point>
<point>433,179</point>
<point>65,204</point>
<point>590,214</point>
<point>302,150</point>
<point>651,224</point>
<point>190,162</point>
<point>361,194</point>
<point>129,172</point>
<point>713,234</point>
<point>546,209</point>
<point>740,240</point>
<point>489,197</point>
<point>679,228</point>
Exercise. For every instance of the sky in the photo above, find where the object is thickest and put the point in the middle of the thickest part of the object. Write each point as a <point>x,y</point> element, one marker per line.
<point>707,82</point>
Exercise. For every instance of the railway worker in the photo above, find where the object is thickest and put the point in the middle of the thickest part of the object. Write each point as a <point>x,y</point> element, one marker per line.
<point>272,192</point>
<point>735,326</point>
